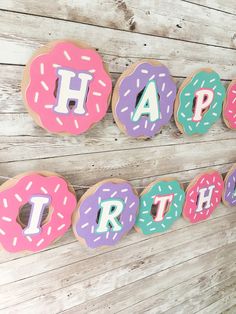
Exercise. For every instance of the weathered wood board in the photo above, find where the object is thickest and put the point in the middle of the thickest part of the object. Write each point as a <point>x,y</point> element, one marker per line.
<point>190,268</point>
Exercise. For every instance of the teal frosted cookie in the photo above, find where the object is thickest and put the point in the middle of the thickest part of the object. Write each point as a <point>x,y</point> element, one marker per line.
<point>161,204</point>
<point>199,102</point>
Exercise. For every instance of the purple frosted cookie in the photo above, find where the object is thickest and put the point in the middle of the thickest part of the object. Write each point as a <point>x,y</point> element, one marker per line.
<point>229,195</point>
<point>105,213</point>
<point>143,99</point>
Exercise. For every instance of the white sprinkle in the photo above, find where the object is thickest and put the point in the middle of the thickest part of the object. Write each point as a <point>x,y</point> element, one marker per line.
<point>163,87</point>
<point>92,229</point>
<point>152,77</point>
<point>60,215</point>
<point>106,190</point>
<point>136,127</point>
<point>148,224</point>
<point>190,128</point>
<point>145,125</point>
<point>102,83</point>
<point>124,109</point>
<point>98,238</point>
<point>215,104</point>
<point>84,225</point>
<point>29,238</point>
<point>17,196</point>
<point>194,217</point>
<point>187,94</point>
<point>8,219</point>
<point>36,97</point>
<point>170,187</point>
<point>159,188</point>
<point>168,217</point>
<point>188,103</point>
<point>202,83</point>
<point>97,108</point>
<point>87,58</point>
<point>97,94</point>
<point>214,114</point>
<point>212,80</point>
<point>162,75</point>
<point>57,187</point>
<point>126,199</point>
<point>145,212</point>
<point>87,210</point>
<point>168,95</point>
<point>195,83</point>
<point>153,126</point>
<point>113,194</point>
<point>144,204</point>
<point>152,229</point>
<point>124,190</point>
<point>127,92</point>
<point>168,109</point>
<point>207,212</point>
<point>76,124</point>
<point>60,227</point>
<point>5,203</point>
<point>65,200</point>
<point>56,65</point>
<point>163,225</point>
<point>132,205</point>
<point>40,242</point>
<point>44,85</point>
<point>107,234</point>
<point>2,232</point>
<point>49,230</point>
<point>92,71</point>
<point>214,87</point>
<point>234,91</point>
<point>59,121</point>
<point>175,205</point>
<point>99,200</point>
<point>43,190</point>
<point>48,106</point>
<point>206,123</point>
<point>234,100</point>
<point>138,82</point>
<point>203,179</point>
<point>183,115</point>
<point>67,55</point>
<point>14,241</point>
<point>218,93</point>
<point>42,68</point>
<point>144,71</point>
<point>115,235</point>
<point>141,219</point>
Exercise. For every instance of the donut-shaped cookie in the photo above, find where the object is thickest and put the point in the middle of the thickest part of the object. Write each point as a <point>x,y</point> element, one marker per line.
<point>106,212</point>
<point>143,99</point>
<point>229,108</point>
<point>66,87</point>
<point>39,191</point>
<point>160,206</point>
<point>198,104</point>
<point>229,194</point>
<point>203,195</point>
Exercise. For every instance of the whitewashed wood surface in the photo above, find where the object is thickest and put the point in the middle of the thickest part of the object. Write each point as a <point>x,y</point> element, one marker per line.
<point>189,269</point>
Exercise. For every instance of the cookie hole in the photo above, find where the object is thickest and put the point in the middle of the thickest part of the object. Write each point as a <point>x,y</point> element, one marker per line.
<point>138,99</point>
<point>194,104</point>
<point>24,215</point>
<point>99,214</point>
<point>154,210</point>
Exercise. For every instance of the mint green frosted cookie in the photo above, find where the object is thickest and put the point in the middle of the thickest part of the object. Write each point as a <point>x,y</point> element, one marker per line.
<point>198,104</point>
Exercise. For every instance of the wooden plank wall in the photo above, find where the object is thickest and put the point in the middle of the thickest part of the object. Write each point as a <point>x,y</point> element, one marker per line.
<point>189,269</point>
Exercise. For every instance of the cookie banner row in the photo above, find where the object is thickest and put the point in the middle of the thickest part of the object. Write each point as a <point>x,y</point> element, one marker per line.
<point>106,212</point>
<point>67,89</point>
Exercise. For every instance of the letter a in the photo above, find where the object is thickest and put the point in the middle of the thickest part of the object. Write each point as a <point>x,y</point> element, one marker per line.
<point>204,98</point>
<point>38,202</point>
<point>204,199</point>
<point>162,201</point>
<point>148,104</point>
<point>65,93</point>
<point>107,217</point>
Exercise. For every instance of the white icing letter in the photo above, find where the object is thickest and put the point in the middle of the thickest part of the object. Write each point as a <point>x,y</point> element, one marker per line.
<point>106,216</point>
<point>148,104</point>
<point>204,98</point>
<point>162,201</point>
<point>38,202</point>
<point>67,94</point>
<point>204,199</point>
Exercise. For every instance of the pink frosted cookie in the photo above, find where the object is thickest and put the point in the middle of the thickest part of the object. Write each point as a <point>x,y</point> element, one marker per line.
<point>229,108</point>
<point>203,195</point>
<point>106,212</point>
<point>40,192</point>
<point>66,87</point>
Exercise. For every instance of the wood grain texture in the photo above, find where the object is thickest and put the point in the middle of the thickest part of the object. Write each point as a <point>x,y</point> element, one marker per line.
<point>190,268</point>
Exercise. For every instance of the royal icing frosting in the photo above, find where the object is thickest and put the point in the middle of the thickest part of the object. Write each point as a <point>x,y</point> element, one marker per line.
<point>229,109</point>
<point>229,195</point>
